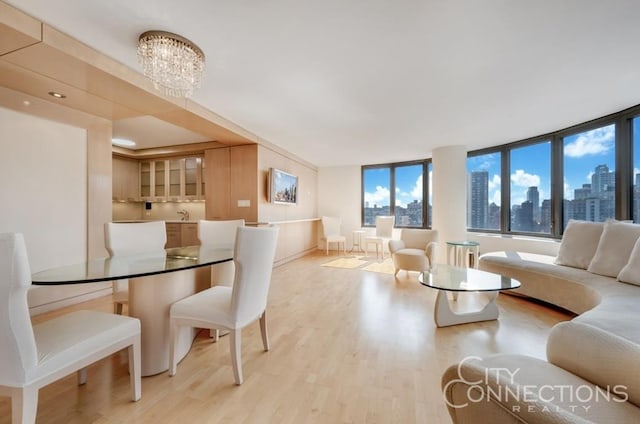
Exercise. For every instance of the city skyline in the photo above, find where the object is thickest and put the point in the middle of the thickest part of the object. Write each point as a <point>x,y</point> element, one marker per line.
<point>530,166</point>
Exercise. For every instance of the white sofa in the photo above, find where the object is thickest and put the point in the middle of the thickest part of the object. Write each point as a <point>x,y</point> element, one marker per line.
<point>592,372</point>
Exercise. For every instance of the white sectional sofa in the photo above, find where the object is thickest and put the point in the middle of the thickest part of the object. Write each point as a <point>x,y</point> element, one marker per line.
<point>592,372</point>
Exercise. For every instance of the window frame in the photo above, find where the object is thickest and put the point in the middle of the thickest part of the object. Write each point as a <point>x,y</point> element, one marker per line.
<point>624,178</point>
<point>392,190</point>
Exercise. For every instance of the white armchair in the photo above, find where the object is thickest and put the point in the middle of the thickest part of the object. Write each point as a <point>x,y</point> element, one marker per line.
<point>232,308</point>
<point>129,239</point>
<point>415,251</point>
<point>34,356</point>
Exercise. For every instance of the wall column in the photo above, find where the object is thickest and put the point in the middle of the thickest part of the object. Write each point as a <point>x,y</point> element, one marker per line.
<point>449,185</point>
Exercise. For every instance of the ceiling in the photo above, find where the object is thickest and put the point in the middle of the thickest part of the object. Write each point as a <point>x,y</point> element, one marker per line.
<point>355,82</point>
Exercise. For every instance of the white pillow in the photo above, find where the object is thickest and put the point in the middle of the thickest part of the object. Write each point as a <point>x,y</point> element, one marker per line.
<point>579,243</point>
<point>615,246</point>
<point>631,271</point>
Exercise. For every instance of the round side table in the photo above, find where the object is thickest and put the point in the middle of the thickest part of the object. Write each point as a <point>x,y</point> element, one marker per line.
<point>356,246</point>
<point>463,254</point>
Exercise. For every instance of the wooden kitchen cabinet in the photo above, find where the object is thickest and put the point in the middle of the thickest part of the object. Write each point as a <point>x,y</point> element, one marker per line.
<point>190,234</point>
<point>182,234</point>
<point>174,235</point>
<point>125,179</point>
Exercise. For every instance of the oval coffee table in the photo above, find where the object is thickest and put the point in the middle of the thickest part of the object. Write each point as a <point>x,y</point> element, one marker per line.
<point>454,279</point>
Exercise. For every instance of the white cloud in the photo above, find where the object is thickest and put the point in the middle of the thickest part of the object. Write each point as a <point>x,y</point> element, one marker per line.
<point>522,179</point>
<point>589,175</point>
<point>594,142</point>
<point>496,197</point>
<point>379,197</point>
<point>403,198</point>
<point>494,183</point>
<point>568,191</point>
<point>416,193</point>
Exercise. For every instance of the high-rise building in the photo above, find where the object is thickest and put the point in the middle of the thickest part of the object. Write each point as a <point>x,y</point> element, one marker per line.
<point>524,217</point>
<point>478,199</point>
<point>493,222</point>
<point>582,193</point>
<point>533,196</point>
<point>602,180</point>
<point>545,216</point>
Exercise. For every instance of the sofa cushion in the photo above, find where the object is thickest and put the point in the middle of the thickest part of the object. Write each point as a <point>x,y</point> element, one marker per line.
<point>579,243</point>
<point>630,273</point>
<point>614,248</point>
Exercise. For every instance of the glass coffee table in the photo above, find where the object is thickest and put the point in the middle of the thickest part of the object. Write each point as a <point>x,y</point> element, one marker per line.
<point>454,279</point>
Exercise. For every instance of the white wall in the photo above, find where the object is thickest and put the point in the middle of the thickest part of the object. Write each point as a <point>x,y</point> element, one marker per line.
<point>43,185</point>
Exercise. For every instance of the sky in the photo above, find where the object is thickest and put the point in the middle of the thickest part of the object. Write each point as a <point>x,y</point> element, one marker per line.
<point>530,166</point>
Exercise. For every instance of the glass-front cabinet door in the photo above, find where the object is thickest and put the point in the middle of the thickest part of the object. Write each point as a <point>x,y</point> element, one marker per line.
<point>159,184</point>
<point>145,180</point>
<point>191,179</point>
<point>173,179</point>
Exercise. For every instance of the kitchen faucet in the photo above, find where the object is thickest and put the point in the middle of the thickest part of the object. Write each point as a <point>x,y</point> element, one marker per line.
<point>185,214</point>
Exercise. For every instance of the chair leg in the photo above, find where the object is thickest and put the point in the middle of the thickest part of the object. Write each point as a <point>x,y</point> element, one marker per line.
<point>173,334</point>
<point>326,246</point>
<point>235,344</point>
<point>263,330</point>
<point>117,308</point>
<point>214,334</point>
<point>24,405</point>
<point>82,376</point>
<point>396,273</point>
<point>135,370</point>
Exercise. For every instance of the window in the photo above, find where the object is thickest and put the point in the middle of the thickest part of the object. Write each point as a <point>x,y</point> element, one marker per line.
<point>483,191</point>
<point>635,122</point>
<point>405,201</point>
<point>408,194</point>
<point>376,196</point>
<point>589,175</point>
<point>530,188</point>
<point>430,192</point>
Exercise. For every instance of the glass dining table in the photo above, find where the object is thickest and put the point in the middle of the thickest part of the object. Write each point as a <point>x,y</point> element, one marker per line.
<point>156,281</point>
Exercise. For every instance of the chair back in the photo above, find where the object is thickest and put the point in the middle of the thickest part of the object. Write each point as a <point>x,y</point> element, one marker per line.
<point>253,256</point>
<point>384,226</point>
<point>18,351</point>
<point>135,237</point>
<point>418,239</point>
<point>218,233</point>
<point>331,225</point>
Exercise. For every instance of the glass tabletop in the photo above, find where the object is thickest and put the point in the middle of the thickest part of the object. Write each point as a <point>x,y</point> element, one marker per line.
<point>463,243</point>
<point>450,278</point>
<point>122,267</point>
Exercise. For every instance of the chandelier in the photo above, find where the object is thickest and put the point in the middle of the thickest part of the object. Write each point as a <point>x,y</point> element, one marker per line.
<point>173,63</point>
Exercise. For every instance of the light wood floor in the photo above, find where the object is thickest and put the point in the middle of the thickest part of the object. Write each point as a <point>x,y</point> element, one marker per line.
<point>346,346</point>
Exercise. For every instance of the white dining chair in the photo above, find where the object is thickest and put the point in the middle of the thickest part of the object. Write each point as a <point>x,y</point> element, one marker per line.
<point>219,234</point>
<point>232,308</point>
<point>384,232</point>
<point>331,233</point>
<point>131,238</point>
<point>33,356</point>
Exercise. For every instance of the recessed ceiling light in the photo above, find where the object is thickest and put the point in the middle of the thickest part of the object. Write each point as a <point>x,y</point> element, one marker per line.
<point>57,95</point>
<point>123,142</point>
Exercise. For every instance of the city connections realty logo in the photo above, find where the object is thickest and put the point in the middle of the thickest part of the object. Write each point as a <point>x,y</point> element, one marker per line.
<point>501,385</point>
